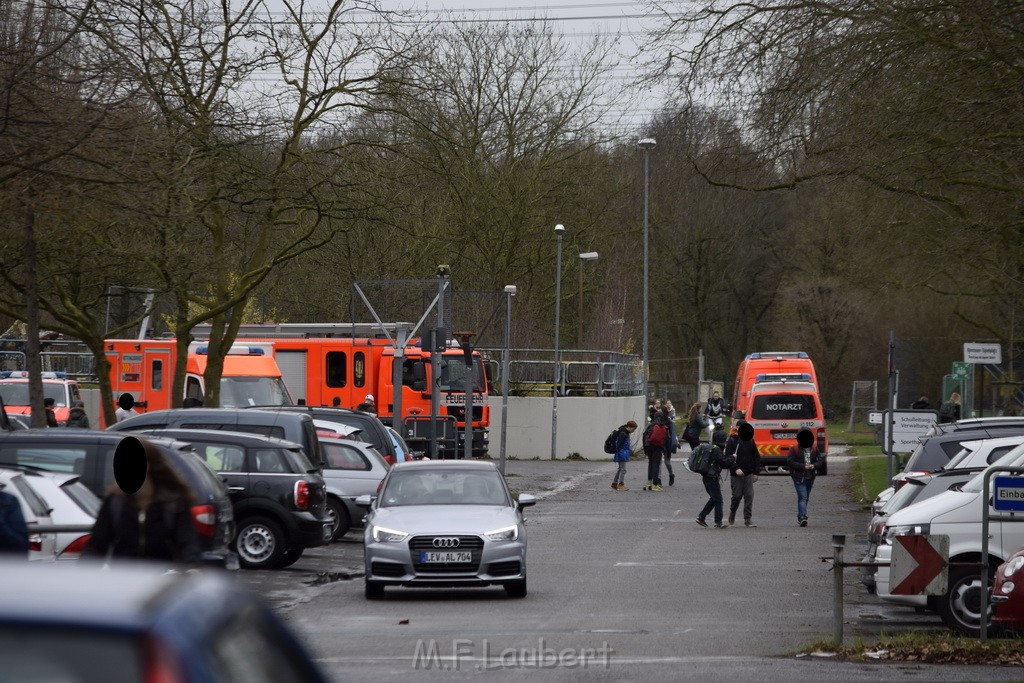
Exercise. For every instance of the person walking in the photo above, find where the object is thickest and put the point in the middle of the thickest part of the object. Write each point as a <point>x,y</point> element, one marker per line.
<point>654,409</point>
<point>623,449</point>
<point>742,446</point>
<point>921,404</point>
<point>803,463</point>
<point>13,530</point>
<point>695,424</point>
<point>655,440</point>
<point>125,407</point>
<point>713,485</point>
<point>77,419</point>
<point>949,411</point>
<point>152,523</point>
<point>672,446</point>
<point>715,408</point>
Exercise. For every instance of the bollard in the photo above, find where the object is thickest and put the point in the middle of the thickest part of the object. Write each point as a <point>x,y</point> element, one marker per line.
<point>838,541</point>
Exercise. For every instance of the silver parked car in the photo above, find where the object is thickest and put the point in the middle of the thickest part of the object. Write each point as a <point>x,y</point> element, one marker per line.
<point>445,523</point>
<point>352,469</point>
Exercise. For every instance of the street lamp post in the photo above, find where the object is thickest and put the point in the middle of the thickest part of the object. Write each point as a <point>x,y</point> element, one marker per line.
<point>586,256</point>
<point>559,229</point>
<point>646,144</point>
<point>510,291</point>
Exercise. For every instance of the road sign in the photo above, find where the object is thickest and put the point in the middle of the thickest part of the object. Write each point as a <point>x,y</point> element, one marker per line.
<point>920,565</point>
<point>989,354</point>
<point>1008,493</point>
<point>961,370</point>
<point>876,417</point>
<point>909,427</point>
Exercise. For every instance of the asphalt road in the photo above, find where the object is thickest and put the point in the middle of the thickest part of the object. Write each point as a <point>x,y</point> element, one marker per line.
<point>622,586</point>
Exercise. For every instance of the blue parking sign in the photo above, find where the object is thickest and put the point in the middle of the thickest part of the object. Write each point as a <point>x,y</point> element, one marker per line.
<point>1008,493</point>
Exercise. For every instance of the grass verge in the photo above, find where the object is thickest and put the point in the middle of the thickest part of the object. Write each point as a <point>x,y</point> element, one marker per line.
<point>868,477</point>
<point>929,647</point>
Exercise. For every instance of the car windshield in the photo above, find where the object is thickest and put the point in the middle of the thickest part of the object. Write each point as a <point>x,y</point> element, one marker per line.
<point>238,392</point>
<point>16,393</point>
<point>1014,458</point>
<point>902,498</point>
<point>454,371</point>
<point>447,486</point>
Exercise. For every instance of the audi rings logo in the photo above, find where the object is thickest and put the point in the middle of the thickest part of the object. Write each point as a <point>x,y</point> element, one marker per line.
<point>446,542</point>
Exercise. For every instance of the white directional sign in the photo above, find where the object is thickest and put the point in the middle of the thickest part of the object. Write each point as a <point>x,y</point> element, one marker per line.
<point>988,354</point>
<point>875,417</point>
<point>909,427</point>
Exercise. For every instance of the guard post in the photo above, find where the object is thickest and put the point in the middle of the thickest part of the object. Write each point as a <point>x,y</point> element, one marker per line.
<point>838,543</point>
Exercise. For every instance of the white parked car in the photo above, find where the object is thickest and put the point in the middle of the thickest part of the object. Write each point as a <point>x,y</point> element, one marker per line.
<point>41,546</point>
<point>65,500</point>
<point>957,514</point>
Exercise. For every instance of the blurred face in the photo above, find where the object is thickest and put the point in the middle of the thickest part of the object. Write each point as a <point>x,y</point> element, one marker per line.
<point>714,395</point>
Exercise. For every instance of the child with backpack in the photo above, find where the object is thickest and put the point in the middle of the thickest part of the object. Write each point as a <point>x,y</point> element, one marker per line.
<point>715,461</point>
<point>623,448</point>
<point>656,441</point>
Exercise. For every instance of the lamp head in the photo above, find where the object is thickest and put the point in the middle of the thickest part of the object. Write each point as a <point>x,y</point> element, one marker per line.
<point>443,270</point>
<point>646,143</point>
<point>559,229</point>
<point>588,256</point>
<point>511,290</point>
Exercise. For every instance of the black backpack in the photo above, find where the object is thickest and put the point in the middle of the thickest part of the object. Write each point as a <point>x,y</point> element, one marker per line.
<point>609,443</point>
<point>700,459</point>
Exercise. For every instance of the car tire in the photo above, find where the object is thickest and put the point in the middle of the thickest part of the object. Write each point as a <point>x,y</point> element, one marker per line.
<point>374,590</point>
<point>960,607</point>
<point>260,543</point>
<point>290,557</point>
<point>340,520</point>
<point>516,589</point>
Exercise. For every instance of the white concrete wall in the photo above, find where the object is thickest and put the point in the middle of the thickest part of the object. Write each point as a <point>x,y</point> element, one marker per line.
<point>583,424</point>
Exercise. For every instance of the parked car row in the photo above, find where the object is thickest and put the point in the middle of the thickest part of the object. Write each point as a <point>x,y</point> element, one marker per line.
<point>268,485</point>
<point>939,493</point>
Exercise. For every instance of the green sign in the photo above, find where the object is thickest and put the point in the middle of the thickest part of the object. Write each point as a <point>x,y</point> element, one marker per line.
<point>961,370</point>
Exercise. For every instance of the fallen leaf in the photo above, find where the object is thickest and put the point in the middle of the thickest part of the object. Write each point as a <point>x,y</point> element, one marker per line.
<point>403,621</point>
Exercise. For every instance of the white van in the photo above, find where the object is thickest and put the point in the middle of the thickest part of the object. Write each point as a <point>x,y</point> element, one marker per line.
<point>957,514</point>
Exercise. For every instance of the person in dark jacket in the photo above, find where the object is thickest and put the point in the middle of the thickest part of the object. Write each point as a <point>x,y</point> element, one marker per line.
<point>77,419</point>
<point>742,446</point>
<point>803,463</point>
<point>13,530</point>
<point>655,450</point>
<point>51,415</point>
<point>673,440</point>
<point>712,484</point>
<point>695,424</point>
<point>623,449</point>
<point>152,523</point>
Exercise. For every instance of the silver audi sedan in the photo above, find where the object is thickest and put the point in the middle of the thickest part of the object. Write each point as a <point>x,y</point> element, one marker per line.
<point>445,523</point>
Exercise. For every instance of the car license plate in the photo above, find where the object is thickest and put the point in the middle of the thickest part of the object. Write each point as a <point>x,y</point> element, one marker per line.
<point>783,435</point>
<point>446,557</point>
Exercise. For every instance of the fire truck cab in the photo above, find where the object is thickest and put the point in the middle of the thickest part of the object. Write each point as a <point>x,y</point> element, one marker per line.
<point>144,368</point>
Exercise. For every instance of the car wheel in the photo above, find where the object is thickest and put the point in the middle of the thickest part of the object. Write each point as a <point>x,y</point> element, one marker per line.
<point>340,521</point>
<point>960,607</point>
<point>516,589</point>
<point>374,590</point>
<point>290,557</point>
<point>260,543</point>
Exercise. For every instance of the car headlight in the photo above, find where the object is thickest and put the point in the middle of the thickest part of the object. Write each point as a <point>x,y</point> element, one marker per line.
<point>509,533</point>
<point>383,535</point>
<point>1013,566</point>
<point>905,530</point>
<point>1007,587</point>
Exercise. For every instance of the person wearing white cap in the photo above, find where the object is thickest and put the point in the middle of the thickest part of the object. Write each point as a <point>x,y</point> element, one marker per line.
<point>367,406</point>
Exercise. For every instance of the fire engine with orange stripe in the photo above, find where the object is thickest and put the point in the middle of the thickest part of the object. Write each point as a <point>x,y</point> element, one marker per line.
<point>779,406</point>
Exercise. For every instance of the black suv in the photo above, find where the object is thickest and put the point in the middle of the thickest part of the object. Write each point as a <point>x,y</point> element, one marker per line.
<point>278,495</point>
<point>372,429</point>
<point>90,454</point>
<point>296,428</point>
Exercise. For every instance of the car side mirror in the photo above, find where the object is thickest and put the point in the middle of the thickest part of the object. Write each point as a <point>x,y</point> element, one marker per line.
<point>526,500</point>
<point>365,500</point>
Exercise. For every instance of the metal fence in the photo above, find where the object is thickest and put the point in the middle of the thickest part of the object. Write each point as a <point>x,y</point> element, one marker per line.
<point>579,373</point>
